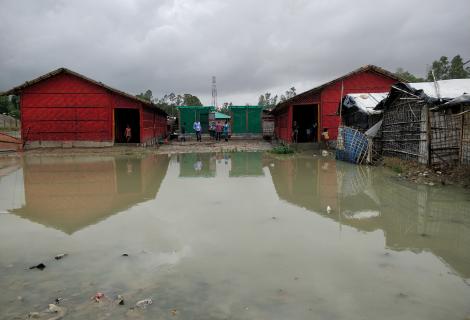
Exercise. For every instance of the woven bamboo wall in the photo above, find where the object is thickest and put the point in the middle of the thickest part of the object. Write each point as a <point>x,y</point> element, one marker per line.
<point>402,128</point>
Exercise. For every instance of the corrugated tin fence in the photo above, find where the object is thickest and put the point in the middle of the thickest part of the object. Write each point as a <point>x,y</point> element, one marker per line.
<point>8,122</point>
<point>189,114</point>
<point>246,119</point>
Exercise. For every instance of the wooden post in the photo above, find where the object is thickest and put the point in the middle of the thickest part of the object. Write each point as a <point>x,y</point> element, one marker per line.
<point>429,136</point>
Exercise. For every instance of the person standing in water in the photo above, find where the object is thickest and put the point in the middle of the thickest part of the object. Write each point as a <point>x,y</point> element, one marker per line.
<point>226,130</point>
<point>197,128</point>
<point>128,133</point>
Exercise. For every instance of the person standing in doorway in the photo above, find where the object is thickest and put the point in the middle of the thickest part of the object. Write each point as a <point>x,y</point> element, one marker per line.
<point>226,130</point>
<point>128,133</point>
<point>313,136</point>
<point>325,137</point>
<point>295,131</point>
<point>197,128</point>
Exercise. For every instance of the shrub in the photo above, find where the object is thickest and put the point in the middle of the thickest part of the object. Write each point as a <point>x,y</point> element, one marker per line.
<point>282,149</point>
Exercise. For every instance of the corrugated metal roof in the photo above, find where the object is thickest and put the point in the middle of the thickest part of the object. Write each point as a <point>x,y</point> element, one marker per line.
<point>364,102</point>
<point>368,67</point>
<point>427,91</point>
<point>19,88</point>
<point>219,115</point>
<point>448,89</point>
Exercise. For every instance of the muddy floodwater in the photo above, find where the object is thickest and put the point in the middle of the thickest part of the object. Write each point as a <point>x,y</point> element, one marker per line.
<point>229,236</point>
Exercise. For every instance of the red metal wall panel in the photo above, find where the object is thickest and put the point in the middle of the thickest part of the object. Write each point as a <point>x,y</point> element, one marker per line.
<point>367,81</point>
<point>328,100</point>
<point>64,83</point>
<point>66,108</point>
<point>153,124</point>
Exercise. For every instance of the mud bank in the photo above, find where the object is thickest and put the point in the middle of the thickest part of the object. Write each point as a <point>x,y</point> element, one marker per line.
<point>213,146</point>
<point>170,148</point>
<point>421,174</point>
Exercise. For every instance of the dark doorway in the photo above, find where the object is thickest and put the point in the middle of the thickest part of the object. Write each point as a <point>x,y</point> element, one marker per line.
<point>122,118</point>
<point>306,118</point>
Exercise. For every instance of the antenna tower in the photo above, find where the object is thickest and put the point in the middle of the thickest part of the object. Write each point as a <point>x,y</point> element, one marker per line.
<point>214,92</point>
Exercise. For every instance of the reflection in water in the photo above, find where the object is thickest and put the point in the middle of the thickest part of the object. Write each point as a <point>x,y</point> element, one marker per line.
<point>196,165</point>
<point>241,164</point>
<point>255,241</point>
<point>412,217</point>
<point>70,194</point>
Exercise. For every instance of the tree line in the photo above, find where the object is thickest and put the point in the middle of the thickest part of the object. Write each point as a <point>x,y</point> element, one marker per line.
<point>442,68</point>
<point>9,105</point>
<point>170,101</point>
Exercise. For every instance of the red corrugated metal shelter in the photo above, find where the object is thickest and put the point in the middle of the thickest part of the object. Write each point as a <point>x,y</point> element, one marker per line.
<point>65,108</point>
<point>319,105</point>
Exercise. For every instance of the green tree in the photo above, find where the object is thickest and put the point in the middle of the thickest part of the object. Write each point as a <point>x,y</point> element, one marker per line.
<point>225,108</point>
<point>10,105</point>
<point>456,70</point>
<point>4,104</point>
<point>289,94</point>
<point>267,100</point>
<point>441,69</point>
<point>190,100</point>
<point>407,76</point>
<point>147,95</point>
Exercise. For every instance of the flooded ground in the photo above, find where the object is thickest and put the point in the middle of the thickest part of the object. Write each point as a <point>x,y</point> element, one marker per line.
<point>229,236</point>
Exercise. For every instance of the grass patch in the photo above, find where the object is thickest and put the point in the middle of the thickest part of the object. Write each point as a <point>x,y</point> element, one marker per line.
<point>282,149</point>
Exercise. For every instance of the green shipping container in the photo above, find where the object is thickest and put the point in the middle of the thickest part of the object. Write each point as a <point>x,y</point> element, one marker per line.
<point>246,119</point>
<point>189,114</point>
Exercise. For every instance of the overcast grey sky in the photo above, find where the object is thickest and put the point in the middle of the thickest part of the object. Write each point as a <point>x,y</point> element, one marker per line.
<point>251,46</point>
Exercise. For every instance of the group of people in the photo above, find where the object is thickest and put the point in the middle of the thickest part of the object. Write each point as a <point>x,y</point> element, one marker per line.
<point>216,130</point>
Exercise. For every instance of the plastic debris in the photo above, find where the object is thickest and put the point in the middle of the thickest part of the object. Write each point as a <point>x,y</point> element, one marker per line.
<point>144,303</point>
<point>40,266</point>
<point>328,209</point>
<point>34,315</point>
<point>60,256</point>
<point>58,300</point>
<point>120,300</point>
<point>324,153</point>
<point>98,296</point>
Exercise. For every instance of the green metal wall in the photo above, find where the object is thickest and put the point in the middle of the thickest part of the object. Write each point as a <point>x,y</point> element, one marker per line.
<point>246,119</point>
<point>189,114</point>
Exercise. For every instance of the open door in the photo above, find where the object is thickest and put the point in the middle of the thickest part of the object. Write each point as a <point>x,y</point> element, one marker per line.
<point>123,118</point>
<point>306,118</point>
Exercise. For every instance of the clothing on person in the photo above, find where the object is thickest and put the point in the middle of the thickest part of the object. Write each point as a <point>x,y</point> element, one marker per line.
<point>212,129</point>
<point>218,131</point>
<point>128,133</point>
<point>197,128</point>
<point>226,130</point>
<point>325,137</point>
<point>295,131</point>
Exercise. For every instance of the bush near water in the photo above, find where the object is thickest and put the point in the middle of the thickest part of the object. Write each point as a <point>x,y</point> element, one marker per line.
<point>282,149</point>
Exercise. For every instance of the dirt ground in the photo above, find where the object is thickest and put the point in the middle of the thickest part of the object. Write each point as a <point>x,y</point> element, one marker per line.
<point>170,148</point>
<point>421,174</point>
<point>213,146</point>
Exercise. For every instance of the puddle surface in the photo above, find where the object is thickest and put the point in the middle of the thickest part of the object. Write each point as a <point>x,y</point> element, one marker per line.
<point>234,236</point>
